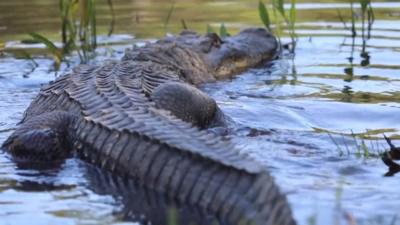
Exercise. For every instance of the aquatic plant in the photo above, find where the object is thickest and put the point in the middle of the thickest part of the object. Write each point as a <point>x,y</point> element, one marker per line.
<point>367,20</point>
<point>359,145</point>
<point>112,23</point>
<point>184,26</point>
<point>209,29</point>
<point>280,16</point>
<point>33,64</point>
<point>172,216</point>
<point>264,16</point>
<point>223,31</point>
<point>57,53</point>
<point>78,30</point>
<point>167,19</point>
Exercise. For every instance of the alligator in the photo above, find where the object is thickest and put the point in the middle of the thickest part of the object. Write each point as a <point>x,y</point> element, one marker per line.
<point>144,118</point>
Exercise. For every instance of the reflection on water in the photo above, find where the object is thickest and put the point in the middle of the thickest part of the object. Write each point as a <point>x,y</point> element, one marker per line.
<point>336,83</point>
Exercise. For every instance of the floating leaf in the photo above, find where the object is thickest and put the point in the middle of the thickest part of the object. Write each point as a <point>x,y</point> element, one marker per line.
<point>262,11</point>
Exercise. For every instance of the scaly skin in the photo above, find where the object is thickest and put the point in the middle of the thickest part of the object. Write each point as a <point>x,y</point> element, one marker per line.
<point>141,118</point>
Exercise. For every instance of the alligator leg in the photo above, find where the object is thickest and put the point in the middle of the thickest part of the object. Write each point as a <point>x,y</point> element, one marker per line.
<point>189,104</point>
<point>45,137</point>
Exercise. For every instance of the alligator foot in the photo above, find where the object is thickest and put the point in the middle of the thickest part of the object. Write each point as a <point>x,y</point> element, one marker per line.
<point>41,139</point>
<point>388,157</point>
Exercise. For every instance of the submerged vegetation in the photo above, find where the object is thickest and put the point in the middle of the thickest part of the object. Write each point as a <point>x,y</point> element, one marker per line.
<point>360,145</point>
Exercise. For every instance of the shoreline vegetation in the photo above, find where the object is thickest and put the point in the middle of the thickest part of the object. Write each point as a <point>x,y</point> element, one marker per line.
<point>79,32</point>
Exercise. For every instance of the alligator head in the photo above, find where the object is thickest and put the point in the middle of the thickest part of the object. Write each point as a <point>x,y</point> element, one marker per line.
<point>230,55</point>
<point>205,58</point>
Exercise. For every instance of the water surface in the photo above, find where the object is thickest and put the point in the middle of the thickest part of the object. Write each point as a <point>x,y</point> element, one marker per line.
<point>284,110</point>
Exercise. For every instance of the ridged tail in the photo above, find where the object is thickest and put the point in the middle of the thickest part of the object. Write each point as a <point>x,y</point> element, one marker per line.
<point>234,195</point>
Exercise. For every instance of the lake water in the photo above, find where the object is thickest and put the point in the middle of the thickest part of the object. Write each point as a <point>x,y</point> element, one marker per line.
<point>316,119</point>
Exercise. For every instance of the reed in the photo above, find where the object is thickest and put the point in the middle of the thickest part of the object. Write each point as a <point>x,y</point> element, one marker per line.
<point>168,18</point>
<point>280,16</point>
<point>172,214</point>
<point>359,146</point>
<point>209,29</point>
<point>223,31</point>
<point>367,17</point>
<point>78,31</point>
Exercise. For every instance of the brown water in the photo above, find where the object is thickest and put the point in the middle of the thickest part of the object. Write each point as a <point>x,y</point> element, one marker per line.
<point>327,86</point>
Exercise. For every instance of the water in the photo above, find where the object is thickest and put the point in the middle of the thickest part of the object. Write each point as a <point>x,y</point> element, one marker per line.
<point>284,111</point>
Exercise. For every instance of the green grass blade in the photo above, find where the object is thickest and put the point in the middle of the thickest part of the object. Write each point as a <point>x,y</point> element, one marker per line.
<point>264,16</point>
<point>172,216</point>
<point>64,11</point>
<point>92,16</point>
<point>280,7</point>
<point>26,55</point>
<point>364,4</point>
<point>56,52</point>
<point>49,44</point>
<point>210,29</point>
<point>353,20</point>
<point>112,23</point>
<point>292,14</point>
<point>223,32</point>
<point>184,26</point>
<point>170,11</point>
<point>83,6</point>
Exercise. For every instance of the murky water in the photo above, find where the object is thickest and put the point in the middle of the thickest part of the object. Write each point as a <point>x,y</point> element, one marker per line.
<point>284,111</point>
